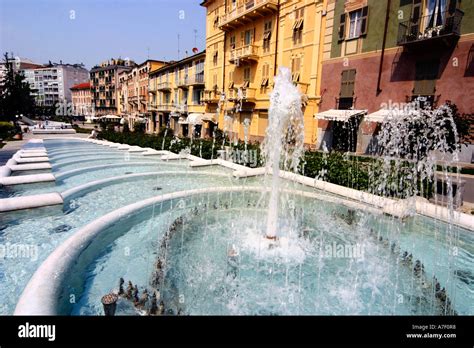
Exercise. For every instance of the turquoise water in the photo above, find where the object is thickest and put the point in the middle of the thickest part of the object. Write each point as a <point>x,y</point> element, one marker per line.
<point>298,277</point>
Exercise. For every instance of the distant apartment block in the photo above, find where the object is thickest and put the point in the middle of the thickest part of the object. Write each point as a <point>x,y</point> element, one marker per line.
<point>52,83</point>
<point>21,65</point>
<point>82,100</point>
<point>105,85</point>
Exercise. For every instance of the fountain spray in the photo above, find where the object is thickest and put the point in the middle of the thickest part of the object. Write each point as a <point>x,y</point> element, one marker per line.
<point>284,141</point>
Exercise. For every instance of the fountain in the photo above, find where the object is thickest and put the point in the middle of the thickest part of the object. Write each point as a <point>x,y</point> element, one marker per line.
<point>284,140</point>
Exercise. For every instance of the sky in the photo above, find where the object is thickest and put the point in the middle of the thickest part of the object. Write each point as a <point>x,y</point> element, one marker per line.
<point>91,31</point>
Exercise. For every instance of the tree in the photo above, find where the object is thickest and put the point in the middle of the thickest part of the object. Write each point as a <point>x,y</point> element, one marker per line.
<point>15,94</point>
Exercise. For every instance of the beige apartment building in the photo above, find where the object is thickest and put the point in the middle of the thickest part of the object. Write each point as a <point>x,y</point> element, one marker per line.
<point>105,85</point>
<point>133,92</point>
<point>82,100</point>
<point>246,42</point>
<point>175,98</point>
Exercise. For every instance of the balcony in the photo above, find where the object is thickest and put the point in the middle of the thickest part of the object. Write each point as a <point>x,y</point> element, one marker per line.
<point>430,33</point>
<point>181,108</point>
<point>164,107</point>
<point>195,80</point>
<point>245,12</point>
<point>151,106</point>
<point>244,94</point>
<point>183,82</point>
<point>164,86</point>
<point>210,97</point>
<point>248,53</point>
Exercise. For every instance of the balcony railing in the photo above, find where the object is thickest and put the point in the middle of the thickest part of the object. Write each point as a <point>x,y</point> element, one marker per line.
<point>196,80</point>
<point>164,86</point>
<point>430,29</point>
<point>164,107</point>
<point>244,53</point>
<point>246,9</point>
<point>245,94</point>
<point>182,108</point>
<point>210,97</point>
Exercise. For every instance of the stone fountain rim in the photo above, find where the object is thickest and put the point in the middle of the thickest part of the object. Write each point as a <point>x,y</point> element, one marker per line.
<point>40,295</point>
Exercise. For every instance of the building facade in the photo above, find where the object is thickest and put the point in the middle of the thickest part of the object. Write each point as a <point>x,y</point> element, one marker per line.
<point>52,83</point>
<point>20,65</point>
<point>82,100</point>
<point>388,53</point>
<point>175,98</point>
<point>246,43</point>
<point>105,86</point>
<point>133,91</point>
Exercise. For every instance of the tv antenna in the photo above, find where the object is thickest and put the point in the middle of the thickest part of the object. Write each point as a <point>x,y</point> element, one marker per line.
<point>178,46</point>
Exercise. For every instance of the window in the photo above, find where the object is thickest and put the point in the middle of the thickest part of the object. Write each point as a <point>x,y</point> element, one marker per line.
<point>267,33</point>
<point>298,26</point>
<point>232,42</point>
<point>355,23</point>
<point>214,81</point>
<point>295,69</point>
<point>426,74</point>
<point>197,94</point>
<point>231,79</point>
<point>358,22</point>
<point>265,74</point>
<point>247,37</point>
<point>216,20</point>
<point>347,83</point>
<point>246,77</point>
<point>215,58</point>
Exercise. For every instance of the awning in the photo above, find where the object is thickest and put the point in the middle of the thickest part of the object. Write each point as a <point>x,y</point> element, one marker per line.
<point>382,114</point>
<point>111,117</point>
<point>195,118</point>
<point>182,120</point>
<point>175,114</point>
<point>339,115</point>
<point>210,116</point>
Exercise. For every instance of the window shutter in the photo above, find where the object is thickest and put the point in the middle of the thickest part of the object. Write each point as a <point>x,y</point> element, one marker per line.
<point>342,27</point>
<point>452,6</point>
<point>364,20</point>
<point>347,83</point>
<point>416,11</point>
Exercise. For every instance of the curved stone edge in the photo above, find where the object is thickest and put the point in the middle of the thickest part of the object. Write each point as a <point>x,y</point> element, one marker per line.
<point>29,202</point>
<point>86,187</point>
<point>63,175</point>
<point>27,179</point>
<point>40,296</point>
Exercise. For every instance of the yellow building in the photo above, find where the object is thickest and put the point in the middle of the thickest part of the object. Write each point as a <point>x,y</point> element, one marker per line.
<point>175,98</point>
<point>246,42</point>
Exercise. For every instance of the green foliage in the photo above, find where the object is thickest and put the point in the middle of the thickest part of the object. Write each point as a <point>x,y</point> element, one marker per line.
<point>15,94</point>
<point>168,131</point>
<point>139,127</point>
<point>337,168</point>
<point>7,130</point>
<point>334,167</point>
<point>126,128</point>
